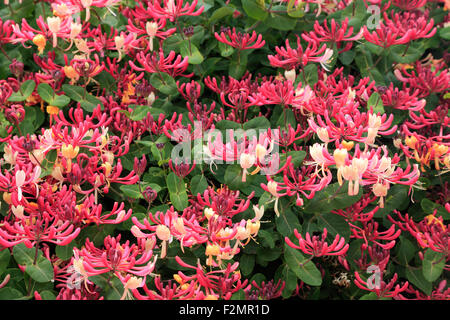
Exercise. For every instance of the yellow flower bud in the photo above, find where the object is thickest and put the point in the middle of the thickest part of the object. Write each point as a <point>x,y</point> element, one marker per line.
<point>40,41</point>
<point>52,110</point>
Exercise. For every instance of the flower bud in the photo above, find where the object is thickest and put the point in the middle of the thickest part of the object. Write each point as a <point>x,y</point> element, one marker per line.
<point>140,165</point>
<point>40,41</point>
<point>16,68</point>
<point>149,194</point>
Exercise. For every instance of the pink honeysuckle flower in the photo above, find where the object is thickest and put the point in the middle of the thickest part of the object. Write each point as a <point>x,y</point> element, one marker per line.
<point>335,35</point>
<point>240,41</point>
<point>173,9</point>
<point>369,232</point>
<point>317,246</point>
<point>386,290</point>
<point>289,58</point>
<point>117,257</point>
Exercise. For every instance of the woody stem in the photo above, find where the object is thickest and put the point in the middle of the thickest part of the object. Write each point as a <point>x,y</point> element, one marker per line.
<point>5,54</point>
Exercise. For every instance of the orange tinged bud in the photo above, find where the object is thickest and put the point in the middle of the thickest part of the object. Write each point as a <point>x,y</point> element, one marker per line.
<point>411,142</point>
<point>348,145</point>
<point>212,250</point>
<point>7,197</point>
<point>69,152</point>
<point>40,41</point>
<point>52,110</point>
<point>178,279</point>
<point>70,72</point>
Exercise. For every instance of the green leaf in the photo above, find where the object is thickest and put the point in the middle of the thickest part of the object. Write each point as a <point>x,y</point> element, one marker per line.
<point>47,295</point>
<point>65,252</point>
<point>48,162</point>
<point>429,206</point>
<point>24,255</point>
<point>139,113</point>
<point>10,294</point>
<point>255,9</point>
<point>264,255</point>
<point>90,103</point>
<point>42,271</point>
<point>282,23</point>
<point>401,55</point>
<point>191,51</point>
<point>238,65</point>
<point>347,57</point>
<point>233,177</point>
<point>225,50</point>
<point>198,184</point>
<point>284,118</point>
<point>290,279</point>
<point>266,239</point>
<point>416,278</point>
<point>444,33</point>
<point>376,103</point>
<point>257,123</point>
<point>297,157</point>
<point>406,250</point>
<point>311,74</point>
<point>87,101</point>
<point>238,295</point>
<point>46,92</point>
<point>307,272</point>
<point>74,92</point>
<point>396,198</point>
<point>60,101</point>
<point>333,197</point>
<point>246,264</point>
<point>432,265</point>
<point>114,290</point>
<point>227,124</point>
<point>335,224</point>
<point>287,222</point>
<point>221,13</point>
<point>164,83</point>
<point>5,256</point>
<point>177,191</point>
<point>131,191</point>
<point>26,89</point>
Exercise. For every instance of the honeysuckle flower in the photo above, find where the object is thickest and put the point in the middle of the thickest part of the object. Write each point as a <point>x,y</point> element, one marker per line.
<point>117,258</point>
<point>173,9</point>
<point>246,161</point>
<point>369,232</point>
<point>240,41</point>
<point>54,24</point>
<point>386,290</point>
<point>316,246</point>
<point>430,232</point>
<point>131,283</point>
<point>87,5</point>
<point>40,41</point>
<point>289,58</point>
<point>326,59</point>
<point>335,35</point>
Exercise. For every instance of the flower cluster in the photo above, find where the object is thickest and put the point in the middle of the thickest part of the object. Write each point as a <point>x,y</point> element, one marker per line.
<point>187,150</point>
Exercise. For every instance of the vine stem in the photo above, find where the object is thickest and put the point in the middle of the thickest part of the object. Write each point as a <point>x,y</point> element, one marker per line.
<point>5,54</point>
